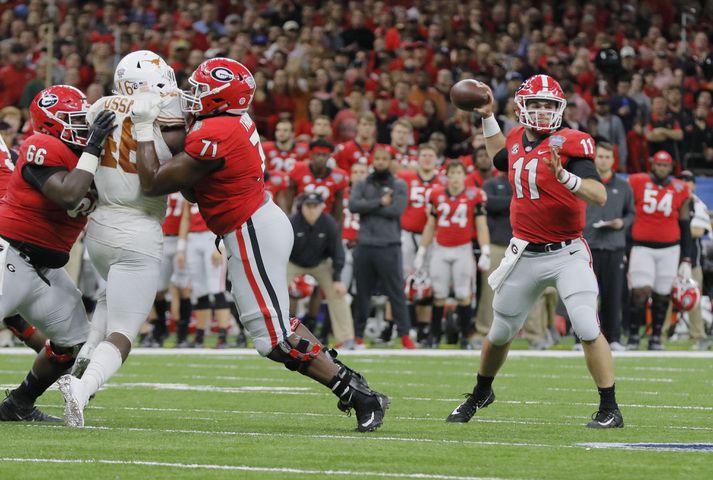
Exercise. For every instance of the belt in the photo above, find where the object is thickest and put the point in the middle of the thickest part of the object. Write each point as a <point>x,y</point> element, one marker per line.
<point>547,247</point>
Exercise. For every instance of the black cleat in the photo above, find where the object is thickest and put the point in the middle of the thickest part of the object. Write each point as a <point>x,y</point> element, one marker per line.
<point>633,343</point>
<point>655,343</point>
<point>465,411</point>
<point>12,411</point>
<point>607,419</point>
<point>370,409</point>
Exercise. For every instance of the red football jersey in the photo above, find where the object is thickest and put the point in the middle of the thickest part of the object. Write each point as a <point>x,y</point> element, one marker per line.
<point>197,223</point>
<point>542,209</point>
<point>284,160</point>
<point>657,208</point>
<point>349,153</point>
<point>174,210</point>
<point>407,159</point>
<point>327,187</point>
<point>414,217</point>
<point>27,215</point>
<point>455,214</point>
<point>231,194</point>
<point>277,182</point>
<point>350,221</point>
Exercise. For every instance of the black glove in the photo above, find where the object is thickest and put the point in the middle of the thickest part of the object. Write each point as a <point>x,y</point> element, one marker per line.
<point>99,131</point>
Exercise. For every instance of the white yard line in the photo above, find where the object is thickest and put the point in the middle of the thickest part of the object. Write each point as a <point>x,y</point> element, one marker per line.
<point>246,468</point>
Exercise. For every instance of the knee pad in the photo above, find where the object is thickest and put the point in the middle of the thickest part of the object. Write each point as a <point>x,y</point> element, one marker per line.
<point>582,310</point>
<point>61,355</point>
<point>220,302</point>
<point>504,328</point>
<point>296,353</point>
<point>19,327</point>
<point>203,303</point>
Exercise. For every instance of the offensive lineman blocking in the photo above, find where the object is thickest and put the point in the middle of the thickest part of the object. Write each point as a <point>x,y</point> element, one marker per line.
<point>552,174</point>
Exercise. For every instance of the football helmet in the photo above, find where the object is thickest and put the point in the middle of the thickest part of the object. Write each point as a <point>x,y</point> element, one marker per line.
<point>418,287</point>
<point>141,72</point>
<point>685,294</point>
<point>61,111</point>
<point>540,87</point>
<point>219,85</point>
<point>302,286</point>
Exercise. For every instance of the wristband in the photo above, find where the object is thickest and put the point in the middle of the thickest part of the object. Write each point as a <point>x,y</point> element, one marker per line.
<point>421,250</point>
<point>485,250</point>
<point>490,126</point>
<point>144,132</point>
<point>571,181</point>
<point>181,245</point>
<point>88,163</point>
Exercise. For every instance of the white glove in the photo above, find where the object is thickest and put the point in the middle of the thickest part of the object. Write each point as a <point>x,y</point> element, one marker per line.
<point>684,270</point>
<point>143,113</point>
<point>420,258</point>
<point>484,260</point>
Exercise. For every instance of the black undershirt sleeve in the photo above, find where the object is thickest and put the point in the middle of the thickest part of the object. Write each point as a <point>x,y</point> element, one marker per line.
<point>500,160</point>
<point>37,175</point>
<point>583,168</point>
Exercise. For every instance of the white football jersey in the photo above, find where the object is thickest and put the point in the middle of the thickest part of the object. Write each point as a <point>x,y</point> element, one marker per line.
<point>121,203</point>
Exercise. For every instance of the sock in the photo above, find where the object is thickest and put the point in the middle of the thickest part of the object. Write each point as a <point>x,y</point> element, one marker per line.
<point>464,317</point>
<point>30,388</point>
<point>185,309</point>
<point>159,324</point>
<point>339,385</point>
<point>483,386</point>
<point>200,334</point>
<point>222,334</point>
<point>436,323</point>
<point>659,306</point>
<point>421,331</point>
<point>607,398</point>
<point>105,362</point>
<point>637,318</point>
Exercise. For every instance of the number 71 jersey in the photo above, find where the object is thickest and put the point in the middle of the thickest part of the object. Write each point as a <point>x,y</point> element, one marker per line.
<point>542,209</point>
<point>657,208</point>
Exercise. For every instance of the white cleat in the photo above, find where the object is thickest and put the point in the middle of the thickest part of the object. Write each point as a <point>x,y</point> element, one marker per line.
<point>73,407</point>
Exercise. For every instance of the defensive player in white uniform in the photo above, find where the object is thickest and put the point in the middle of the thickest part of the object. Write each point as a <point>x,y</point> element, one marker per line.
<point>124,237</point>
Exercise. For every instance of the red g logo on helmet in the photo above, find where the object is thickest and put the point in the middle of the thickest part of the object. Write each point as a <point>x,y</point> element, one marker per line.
<point>685,294</point>
<point>538,118</point>
<point>219,85</point>
<point>61,111</point>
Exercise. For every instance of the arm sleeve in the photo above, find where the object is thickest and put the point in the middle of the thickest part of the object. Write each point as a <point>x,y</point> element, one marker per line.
<point>500,160</point>
<point>359,204</point>
<point>398,206</point>
<point>582,167</point>
<point>686,238</point>
<point>36,175</point>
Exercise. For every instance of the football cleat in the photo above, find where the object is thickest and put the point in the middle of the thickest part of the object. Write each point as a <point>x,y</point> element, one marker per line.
<point>655,343</point>
<point>369,408</point>
<point>633,343</point>
<point>465,411</point>
<point>73,407</point>
<point>13,411</point>
<point>607,419</point>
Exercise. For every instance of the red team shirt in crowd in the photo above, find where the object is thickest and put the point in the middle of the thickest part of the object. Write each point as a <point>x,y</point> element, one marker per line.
<point>277,182</point>
<point>455,214</point>
<point>27,215</point>
<point>349,153</point>
<point>327,187</point>
<point>232,193</point>
<point>197,223</point>
<point>657,208</point>
<point>406,159</point>
<point>174,211</point>
<point>350,221</point>
<point>542,209</point>
<point>415,216</point>
<point>284,160</point>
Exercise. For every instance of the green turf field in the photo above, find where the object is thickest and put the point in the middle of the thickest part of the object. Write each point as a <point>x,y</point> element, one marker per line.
<point>229,416</point>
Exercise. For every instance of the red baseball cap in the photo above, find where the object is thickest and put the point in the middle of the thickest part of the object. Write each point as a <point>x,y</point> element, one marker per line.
<point>662,156</point>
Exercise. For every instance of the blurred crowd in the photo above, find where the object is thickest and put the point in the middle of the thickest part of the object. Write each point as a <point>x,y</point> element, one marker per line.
<point>636,74</point>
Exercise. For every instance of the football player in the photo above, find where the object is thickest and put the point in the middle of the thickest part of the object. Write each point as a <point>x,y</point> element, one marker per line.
<point>48,192</point>
<point>453,211</point>
<point>662,241</point>
<point>403,154</point>
<point>361,149</point>
<point>223,165</point>
<point>124,237</point>
<point>552,174</point>
<point>284,152</point>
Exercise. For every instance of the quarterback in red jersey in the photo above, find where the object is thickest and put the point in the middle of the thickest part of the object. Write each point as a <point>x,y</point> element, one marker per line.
<point>552,176</point>
<point>284,152</point>
<point>316,176</point>
<point>361,149</point>
<point>662,241</point>
<point>222,167</point>
<point>49,192</point>
<point>454,210</point>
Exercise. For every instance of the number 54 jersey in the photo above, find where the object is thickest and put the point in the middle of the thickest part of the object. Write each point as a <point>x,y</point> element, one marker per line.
<point>657,207</point>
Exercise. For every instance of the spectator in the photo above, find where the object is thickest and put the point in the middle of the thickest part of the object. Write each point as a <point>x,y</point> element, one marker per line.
<point>14,75</point>
<point>380,200</point>
<point>318,251</point>
<point>636,93</point>
<point>681,115</point>
<point>622,104</point>
<point>10,125</point>
<point>611,129</point>
<point>663,132</point>
<point>605,232</point>
<point>699,140</point>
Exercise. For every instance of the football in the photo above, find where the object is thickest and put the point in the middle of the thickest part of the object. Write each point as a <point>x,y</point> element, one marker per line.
<point>469,94</point>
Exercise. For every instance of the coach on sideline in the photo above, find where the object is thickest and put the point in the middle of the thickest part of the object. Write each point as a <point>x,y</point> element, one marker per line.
<point>380,200</point>
<point>318,251</point>
<point>605,232</point>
